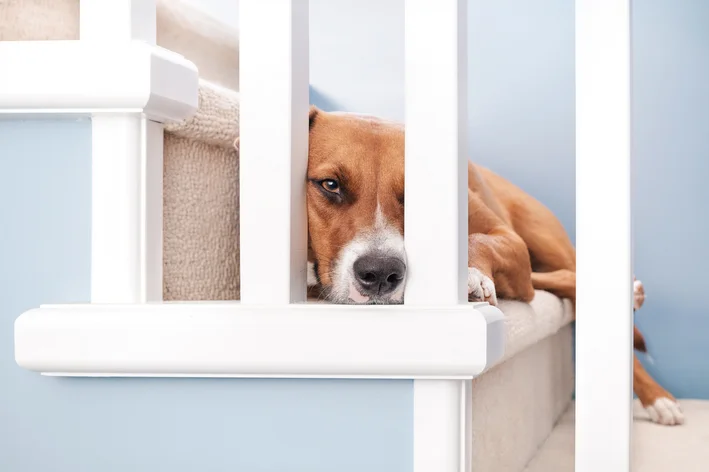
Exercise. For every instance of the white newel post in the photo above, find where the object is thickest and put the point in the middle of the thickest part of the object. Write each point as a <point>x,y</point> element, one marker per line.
<point>129,87</point>
<point>604,261</point>
<point>273,150</point>
<point>436,212</point>
<point>127,172</point>
<point>117,75</point>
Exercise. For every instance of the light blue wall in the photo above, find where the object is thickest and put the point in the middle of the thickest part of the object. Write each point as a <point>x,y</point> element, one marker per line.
<point>671,195</point>
<point>119,425</point>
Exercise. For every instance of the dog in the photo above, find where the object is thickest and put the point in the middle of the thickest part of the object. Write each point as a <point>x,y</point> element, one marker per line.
<point>660,405</point>
<point>355,207</point>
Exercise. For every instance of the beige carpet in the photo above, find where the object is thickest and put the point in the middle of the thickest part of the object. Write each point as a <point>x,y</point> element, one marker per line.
<point>655,448</point>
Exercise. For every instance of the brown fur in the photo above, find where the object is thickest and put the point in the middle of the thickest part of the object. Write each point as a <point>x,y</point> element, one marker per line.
<point>638,340</point>
<point>368,158</point>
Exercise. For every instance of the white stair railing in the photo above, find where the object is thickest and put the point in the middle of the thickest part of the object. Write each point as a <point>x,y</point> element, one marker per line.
<point>273,150</point>
<point>130,87</point>
<point>604,275</point>
<point>436,211</point>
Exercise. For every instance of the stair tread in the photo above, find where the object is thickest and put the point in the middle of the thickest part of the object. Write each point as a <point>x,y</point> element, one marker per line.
<point>656,448</point>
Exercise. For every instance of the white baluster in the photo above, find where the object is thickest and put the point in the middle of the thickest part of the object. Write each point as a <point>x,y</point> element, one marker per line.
<point>127,162</point>
<point>436,221</point>
<point>443,425</point>
<point>118,20</point>
<point>273,149</point>
<point>604,263</point>
<point>436,213</point>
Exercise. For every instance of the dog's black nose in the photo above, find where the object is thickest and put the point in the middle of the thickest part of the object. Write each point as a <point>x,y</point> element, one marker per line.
<point>379,275</point>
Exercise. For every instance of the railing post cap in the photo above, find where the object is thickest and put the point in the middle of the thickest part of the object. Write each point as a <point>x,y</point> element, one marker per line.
<point>88,77</point>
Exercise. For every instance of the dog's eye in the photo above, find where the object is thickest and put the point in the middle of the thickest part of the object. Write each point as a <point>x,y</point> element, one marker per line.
<point>330,185</point>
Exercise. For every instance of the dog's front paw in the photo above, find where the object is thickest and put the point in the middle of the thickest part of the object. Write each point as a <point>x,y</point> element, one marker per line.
<point>480,287</point>
<point>665,411</point>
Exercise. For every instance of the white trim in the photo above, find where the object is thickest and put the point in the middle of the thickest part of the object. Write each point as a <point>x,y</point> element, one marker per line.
<point>436,211</point>
<point>118,20</point>
<point>233,340</point>
<point>604,291</point>
<point>126,209</point>
<point>151,211</point>
<point>273,150</point>
<point>443,427</point>
<point>115,208</point>
<point>81,77</point>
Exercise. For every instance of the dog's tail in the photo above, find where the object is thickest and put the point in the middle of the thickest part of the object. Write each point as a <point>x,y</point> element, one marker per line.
<point>638,340</point>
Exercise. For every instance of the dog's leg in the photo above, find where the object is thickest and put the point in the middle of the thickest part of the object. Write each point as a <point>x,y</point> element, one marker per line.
<point>498,259</point>
<point>561,283</point>
<point>638,340</point>
<point>658,402</point>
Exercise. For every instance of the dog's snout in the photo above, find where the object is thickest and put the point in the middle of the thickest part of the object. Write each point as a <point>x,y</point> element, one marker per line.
<point>379,275</point>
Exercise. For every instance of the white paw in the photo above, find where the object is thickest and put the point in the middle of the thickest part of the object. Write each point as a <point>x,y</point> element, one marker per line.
<point>312,278</point>
<point>665,411</point>
<point>480,287</point>
<point>638,294</point>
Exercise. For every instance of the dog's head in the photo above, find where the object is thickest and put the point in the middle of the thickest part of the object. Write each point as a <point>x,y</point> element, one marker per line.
<point>355,200</point>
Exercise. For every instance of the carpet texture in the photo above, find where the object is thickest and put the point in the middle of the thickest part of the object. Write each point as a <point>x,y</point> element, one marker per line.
<point>526,324</point>
<point>517,403</point>
<point>656,448</point>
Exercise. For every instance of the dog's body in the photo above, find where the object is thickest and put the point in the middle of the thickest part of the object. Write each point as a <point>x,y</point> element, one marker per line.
<point>356,227</point>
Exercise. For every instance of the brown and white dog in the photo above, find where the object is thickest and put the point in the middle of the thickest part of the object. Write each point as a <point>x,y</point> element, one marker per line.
<point>356,221</point>
<point>355,203</point>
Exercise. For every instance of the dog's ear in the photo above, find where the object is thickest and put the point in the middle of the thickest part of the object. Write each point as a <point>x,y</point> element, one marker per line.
<point>312,115</point>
